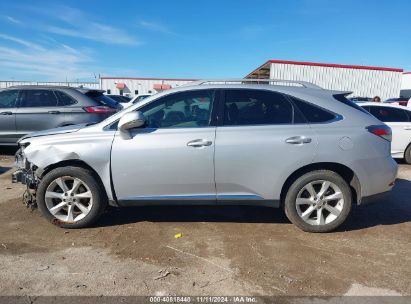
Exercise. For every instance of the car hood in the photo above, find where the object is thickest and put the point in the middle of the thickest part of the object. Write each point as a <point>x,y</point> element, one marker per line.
<point>61,130</point>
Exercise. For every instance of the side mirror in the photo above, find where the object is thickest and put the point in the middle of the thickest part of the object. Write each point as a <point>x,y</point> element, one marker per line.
<point>131,120</point>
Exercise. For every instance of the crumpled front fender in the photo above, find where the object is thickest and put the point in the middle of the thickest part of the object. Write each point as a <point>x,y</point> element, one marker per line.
<point>92,148</point>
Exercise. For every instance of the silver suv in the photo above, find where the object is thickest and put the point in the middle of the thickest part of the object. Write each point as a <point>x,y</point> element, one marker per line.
<point>302,148</point>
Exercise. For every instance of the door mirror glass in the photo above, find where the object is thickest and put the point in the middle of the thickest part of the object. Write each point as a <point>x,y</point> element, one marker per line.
<point>131,120</point>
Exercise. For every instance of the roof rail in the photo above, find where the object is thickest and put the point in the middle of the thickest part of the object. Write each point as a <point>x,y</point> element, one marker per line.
<point>257,81</point>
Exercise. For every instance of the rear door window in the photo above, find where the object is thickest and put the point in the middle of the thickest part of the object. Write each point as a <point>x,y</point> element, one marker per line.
<point>313,113</point>
<point>388,114</point>
<point>8,98</point>
<point>256,107</point>
<point>38,98</point>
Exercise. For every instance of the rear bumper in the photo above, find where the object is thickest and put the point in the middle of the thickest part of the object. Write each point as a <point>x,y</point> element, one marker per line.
<point>377,176</point>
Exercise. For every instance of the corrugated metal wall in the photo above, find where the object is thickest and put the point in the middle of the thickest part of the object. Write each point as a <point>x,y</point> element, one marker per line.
<point>406,81</point>
<point>143,86</point>
<point>6,84</point>
<point>362,82</point>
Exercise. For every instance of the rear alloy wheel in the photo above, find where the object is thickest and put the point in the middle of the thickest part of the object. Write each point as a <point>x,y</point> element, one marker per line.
<point>70,197</point>
<point>318,201</point>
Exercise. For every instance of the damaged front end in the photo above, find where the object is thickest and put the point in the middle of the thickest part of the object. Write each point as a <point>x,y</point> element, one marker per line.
<point>25,175</point>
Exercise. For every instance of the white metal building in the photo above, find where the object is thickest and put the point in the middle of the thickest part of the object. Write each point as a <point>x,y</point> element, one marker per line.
<point>406,85</point>
<point>135,86</point>
<point>406,81</point>
<point>365,81</point>
<point>6,84</point>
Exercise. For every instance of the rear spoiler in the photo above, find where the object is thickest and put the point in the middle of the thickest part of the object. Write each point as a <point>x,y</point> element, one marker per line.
<point>341,93</point>
<point>89,90</point>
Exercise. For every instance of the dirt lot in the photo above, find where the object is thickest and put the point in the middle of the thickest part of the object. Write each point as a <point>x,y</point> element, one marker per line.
<point>223,251</point>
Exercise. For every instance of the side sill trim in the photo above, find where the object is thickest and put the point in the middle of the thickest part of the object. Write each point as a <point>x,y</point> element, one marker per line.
<point>197,202</point>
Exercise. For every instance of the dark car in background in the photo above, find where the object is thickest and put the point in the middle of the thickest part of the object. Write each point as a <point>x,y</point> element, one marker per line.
<point>120,98</point>
<point>26,109</point>
<point>405,93</point>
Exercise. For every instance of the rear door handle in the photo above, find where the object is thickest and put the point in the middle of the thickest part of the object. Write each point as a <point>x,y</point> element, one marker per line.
<point>54,112</point>
<point>407,128</point>
<point>298,140</point>
<point>196,143</point>
<point>6,113</point>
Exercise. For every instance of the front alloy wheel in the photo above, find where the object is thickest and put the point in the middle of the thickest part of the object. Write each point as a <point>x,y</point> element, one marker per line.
<point>71,197</point>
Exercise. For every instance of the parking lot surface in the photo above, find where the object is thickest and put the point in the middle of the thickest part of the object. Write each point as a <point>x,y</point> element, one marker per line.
<point>222,250</point>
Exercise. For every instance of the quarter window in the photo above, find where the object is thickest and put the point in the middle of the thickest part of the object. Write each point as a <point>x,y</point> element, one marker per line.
<point>64,99</point>
<point>8,98</point>
<point>181,110</point>
<point>312,113</point>
<point>254,107</point>
<point>38,98</point>
<point>388,114</point>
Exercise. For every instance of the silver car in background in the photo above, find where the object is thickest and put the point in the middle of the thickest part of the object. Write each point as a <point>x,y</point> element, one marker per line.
<point>290,145</point>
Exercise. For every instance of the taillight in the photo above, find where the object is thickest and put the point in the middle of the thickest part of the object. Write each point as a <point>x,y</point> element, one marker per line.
<point>381,131</point>
<point>100,109</point>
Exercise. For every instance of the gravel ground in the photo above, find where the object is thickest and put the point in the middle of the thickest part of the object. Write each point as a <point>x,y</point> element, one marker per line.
<point>222,251</point>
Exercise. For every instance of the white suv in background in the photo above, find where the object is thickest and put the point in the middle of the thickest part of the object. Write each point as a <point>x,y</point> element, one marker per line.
<point>399,119</point>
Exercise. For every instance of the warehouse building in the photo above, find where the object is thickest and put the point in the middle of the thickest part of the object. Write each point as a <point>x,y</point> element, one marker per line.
<point>364,81</point>
<point>406,85</point>
<point>136,86</point>
<point>6,84</point>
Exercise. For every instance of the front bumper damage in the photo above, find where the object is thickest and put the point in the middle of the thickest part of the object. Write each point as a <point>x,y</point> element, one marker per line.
<point>25,175</point>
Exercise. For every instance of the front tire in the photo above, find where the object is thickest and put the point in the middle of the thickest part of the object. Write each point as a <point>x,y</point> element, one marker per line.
<point>318,201</point>
<point>71,197</point>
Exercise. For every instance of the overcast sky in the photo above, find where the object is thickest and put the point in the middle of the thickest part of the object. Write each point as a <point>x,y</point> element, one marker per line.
<point>44,40</point>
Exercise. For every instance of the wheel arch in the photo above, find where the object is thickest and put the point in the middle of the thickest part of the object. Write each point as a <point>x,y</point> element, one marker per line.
<point>345,172</point>
<point>75,163</point>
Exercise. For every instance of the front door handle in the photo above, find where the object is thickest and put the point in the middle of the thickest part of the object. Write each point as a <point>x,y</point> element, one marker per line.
<point>298,140</point>
<point>199,143</point>
<point>6,113</point>
<point>407,128</point>
<point>54,112</point>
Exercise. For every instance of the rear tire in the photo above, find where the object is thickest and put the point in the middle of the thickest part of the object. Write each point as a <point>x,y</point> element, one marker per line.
<point>71,197</point>
<point>318,201</point>
<point>407,155</point>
